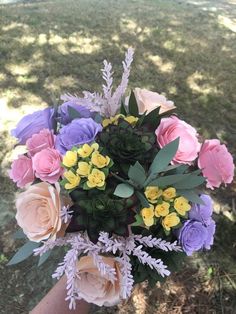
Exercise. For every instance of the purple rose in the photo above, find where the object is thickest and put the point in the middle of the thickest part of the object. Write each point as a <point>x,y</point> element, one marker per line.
<point>32,124</point>
<point>77,105</point>
<point>192,236</point>
<point>78,132</point>
<point>202,212</point>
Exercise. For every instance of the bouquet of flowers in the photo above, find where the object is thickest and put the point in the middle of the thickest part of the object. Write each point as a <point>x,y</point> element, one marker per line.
<point>118,179</point>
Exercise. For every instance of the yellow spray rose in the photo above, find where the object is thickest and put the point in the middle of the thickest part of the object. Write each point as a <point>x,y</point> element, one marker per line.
<point>162,210</point>
<point>181,205</point>
<point>96,179</point>
<point>131,120</point>
<point>170,220</point>
<point>169,194</point>
<point>99,160</point>
<point>73,180</point>
<point>84,168</point>
<point>152,193</point>
<point>148,215</point>
<point>70,159</point>
<point>86,150</point>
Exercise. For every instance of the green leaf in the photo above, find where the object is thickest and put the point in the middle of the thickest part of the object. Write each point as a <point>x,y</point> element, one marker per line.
<point>133,106</point>
<point>139,220</point>
<point>162,160</point>
<point>19,234</point>
<point>142,199</point>
<point>137,174</point>
<point>124,190</point>
<point>192,196</point>
<point>152,119</point>
<point>44,257</point>
<point>73,113</point>
<point>189,182</point>
<point>141,119</point>
<point>169,180</point>
<point>123,109</point>
<point>98,118</point>
<point>25,251</point>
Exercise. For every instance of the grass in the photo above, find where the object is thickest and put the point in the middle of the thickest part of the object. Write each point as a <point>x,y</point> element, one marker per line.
<point>185,49</point>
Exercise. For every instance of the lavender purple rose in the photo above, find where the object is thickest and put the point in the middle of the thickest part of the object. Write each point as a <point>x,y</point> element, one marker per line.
<point>64,115</point>
<point>32,124</point>
<point>78,132</point>
<point>198,232</point>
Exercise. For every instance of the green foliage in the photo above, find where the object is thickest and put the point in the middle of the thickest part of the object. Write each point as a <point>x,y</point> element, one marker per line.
<point>124,190</point>
<point>164,157</point>
<point>133,106</point>
<point>137,174</point>
<point>25,251</point>
<point>44,257</point>
<point>73,114</point>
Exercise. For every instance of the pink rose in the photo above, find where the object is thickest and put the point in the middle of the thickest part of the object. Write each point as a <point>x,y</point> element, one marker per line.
<point>171,128</point>
<point>97,288</point>
<point>39,211</point>
<point>47,165</point>
<point>148,101</point>
<point>216,163</point>
<point>21,171</point>
<point>43,139</point>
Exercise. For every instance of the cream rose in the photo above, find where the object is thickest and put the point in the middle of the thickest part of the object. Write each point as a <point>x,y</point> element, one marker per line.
<point>148,101</point>
<point>38,211</point>
<point>96,288</point>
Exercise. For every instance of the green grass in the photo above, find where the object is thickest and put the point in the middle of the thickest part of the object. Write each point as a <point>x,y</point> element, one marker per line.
<point>185,49</point>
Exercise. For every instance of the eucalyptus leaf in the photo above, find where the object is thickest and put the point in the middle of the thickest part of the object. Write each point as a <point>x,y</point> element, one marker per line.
<point>190,182</point>
<point>124,190</point>
<point>25,251</point>
<point>192,196</point>
<point>137,174</point>
<point>19,234</point>
<point>169,180</point>
<point>133,106</point>
<point>73,113</point>
<point>162,159</point>
<point>44,257</point>
<point>142,199</point>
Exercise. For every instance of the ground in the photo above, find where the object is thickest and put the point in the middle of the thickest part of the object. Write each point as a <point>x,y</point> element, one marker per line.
<point>185,49</point>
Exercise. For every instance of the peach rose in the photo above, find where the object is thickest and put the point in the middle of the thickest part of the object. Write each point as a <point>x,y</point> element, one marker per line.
<point>47,165</point>
<point>216,163</point>
<point>21,171</point>
<point>172,128</point>
<point>38,211</point>
<point>43,139</point>
<point>96,288</point>
<point>148,101</point>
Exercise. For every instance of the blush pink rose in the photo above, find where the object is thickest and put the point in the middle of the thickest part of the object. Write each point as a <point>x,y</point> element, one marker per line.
<point>47,165</point>
<point>216,163</point>
<point>44,139</point>
<point>172,128</point>
<point>39,211</point>
<point>148,101</point>
<point>97,288</point>
<point>22,171</point>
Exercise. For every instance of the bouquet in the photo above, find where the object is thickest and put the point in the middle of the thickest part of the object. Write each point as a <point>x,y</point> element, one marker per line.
<point>119,180</point>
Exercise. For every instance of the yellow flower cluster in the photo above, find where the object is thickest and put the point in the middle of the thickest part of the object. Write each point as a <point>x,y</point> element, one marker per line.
<point>168,207</point>
<point>86,167</point>
<point>114,120</point>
